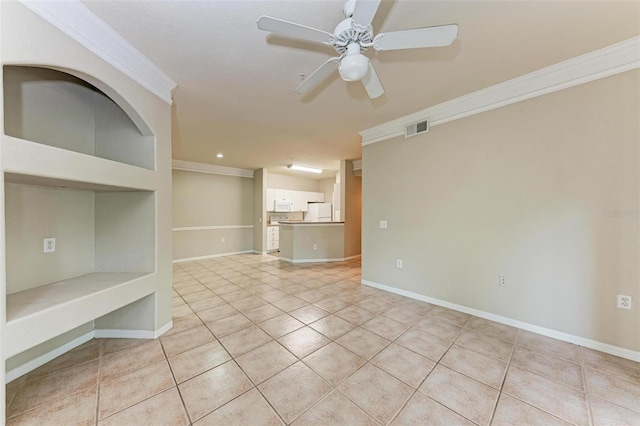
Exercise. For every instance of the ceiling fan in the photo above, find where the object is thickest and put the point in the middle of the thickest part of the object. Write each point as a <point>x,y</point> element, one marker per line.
<point>352,37</point>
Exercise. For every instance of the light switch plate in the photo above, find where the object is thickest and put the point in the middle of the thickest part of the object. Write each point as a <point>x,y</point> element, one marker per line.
<point>383,224</point>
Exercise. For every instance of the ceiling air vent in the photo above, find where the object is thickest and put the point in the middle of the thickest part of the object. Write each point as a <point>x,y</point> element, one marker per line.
<point>416,128</point>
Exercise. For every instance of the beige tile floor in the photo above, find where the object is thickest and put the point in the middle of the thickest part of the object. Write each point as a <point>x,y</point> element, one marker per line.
<point>258,341</point>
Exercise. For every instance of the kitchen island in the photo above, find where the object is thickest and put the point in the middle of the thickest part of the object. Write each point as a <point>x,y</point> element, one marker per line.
<point>302,242</point>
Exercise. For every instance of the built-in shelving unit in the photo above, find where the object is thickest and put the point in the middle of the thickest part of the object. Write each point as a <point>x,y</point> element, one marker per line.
<point>76,168</point>
<point>42,313</point>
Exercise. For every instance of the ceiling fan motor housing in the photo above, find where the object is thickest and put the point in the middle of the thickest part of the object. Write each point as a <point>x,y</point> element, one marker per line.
<point>345,35</point>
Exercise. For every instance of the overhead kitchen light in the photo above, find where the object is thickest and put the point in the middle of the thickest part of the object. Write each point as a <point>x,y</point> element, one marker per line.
<point>304,168</point>
<point>219,155</point>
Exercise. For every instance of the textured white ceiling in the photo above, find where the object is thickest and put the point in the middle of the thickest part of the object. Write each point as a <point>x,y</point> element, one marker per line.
<point>235,83</point>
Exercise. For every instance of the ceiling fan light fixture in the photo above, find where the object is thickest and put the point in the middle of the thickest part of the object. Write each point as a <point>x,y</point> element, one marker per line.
<point>353,67</point>
<point>304,168</point>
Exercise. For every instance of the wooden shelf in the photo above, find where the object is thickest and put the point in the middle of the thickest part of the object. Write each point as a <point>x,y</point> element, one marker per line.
<point>41,313</point>
<point>38,164</point>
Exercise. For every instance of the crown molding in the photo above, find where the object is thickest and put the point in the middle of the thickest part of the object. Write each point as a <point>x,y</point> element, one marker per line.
<point>611,60</point>
<point>75,20</point>
<point>190,166</point>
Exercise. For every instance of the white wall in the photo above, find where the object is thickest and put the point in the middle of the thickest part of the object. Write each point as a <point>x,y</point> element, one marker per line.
<point>524,191</point>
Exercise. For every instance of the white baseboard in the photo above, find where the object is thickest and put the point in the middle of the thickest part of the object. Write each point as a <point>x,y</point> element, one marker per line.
<point>294,261</point>
<point>98,334</point>
<point>337,259</point>
<point>211,256</point>
<point>159,332</point>
<point>588,343</point>
<point>43,359</point>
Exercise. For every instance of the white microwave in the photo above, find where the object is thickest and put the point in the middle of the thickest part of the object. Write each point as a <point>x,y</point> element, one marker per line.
<point>282,206</point>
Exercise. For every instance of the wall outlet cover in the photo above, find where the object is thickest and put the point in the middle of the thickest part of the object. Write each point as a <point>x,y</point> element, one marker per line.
<point>49,245</point>
<point>315,247</point>
<point>502,281</point>
<point>624,302</point>
<point>399,263</point>
<point>383,224</point>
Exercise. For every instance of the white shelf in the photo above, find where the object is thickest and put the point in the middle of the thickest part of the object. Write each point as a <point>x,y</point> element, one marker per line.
<point>35,163</point>
<point>41,313</point>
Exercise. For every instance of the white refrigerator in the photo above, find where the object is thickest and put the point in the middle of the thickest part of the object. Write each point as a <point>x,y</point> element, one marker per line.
<point>318,212</point>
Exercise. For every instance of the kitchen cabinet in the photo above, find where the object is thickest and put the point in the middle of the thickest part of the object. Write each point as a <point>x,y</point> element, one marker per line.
<point>271,198</point>
<point>300,199</point>
<point>315,197</point>
<point>273,238</point>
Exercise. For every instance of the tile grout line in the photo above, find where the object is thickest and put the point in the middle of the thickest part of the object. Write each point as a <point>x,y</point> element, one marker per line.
<point>583,371</point>
<point>184,405</point>
<point>232,358</point>
<point>287,280</point>
<point>100,360</point>
<point>504,378</point>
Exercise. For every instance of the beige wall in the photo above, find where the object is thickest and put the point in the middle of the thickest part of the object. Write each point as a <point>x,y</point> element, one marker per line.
<point>326,187</point>
<point>292,183</point>
<point>77,333</point>
<point>211,200</point>
<point>296,242</point>
<point>35,212</point>
<point>352,211</point>
<point>41,101</point>
<point>523,191</point>
<point>259,210</point>
<point>204,199</point>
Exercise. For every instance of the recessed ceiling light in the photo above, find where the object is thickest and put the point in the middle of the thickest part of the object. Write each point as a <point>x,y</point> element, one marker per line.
<point>219,155</point>
<point>304,168</point>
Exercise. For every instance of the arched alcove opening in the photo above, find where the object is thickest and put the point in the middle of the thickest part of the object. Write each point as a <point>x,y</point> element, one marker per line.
<point>56,108</point>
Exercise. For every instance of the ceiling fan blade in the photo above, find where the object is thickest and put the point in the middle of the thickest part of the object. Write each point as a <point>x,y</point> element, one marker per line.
<point>372,83</point>
<point>317,76</point>
<point>291,29</point>
<point>364,12</point>
<point>442,35</point>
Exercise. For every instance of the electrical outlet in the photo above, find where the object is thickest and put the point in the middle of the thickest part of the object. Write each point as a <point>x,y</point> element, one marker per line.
<point>399,263</point>
<point>49,245</point>
<point>383,224</point>
<point>624,302</point>
<point>223,240</point>
<point>315,247</point>
<point>502,281</point>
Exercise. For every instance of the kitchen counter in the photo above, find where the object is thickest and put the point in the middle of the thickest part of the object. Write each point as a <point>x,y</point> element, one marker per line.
<point>301,222</point>
<point>302,242</point>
